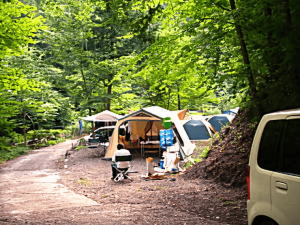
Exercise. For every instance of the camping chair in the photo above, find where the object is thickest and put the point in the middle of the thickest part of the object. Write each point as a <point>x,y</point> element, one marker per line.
<point>122,167</point>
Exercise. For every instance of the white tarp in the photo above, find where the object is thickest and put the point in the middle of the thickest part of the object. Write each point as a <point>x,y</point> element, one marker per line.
<point>188,147</point>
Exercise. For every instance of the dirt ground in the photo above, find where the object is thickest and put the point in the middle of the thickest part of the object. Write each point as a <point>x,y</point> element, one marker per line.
<point>137,202</point>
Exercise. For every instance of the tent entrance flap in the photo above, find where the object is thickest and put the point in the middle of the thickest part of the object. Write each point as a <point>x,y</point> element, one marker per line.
<point>142,130</point>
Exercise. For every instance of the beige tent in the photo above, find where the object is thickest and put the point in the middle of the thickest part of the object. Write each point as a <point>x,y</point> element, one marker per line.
<point>105,116</point>
<point>145,124</point>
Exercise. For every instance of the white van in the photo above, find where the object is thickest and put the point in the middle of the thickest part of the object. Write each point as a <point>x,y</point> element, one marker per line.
<point>274,171</point>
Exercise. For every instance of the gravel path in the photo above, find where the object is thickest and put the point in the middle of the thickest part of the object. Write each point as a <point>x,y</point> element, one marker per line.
<point>29,183</point>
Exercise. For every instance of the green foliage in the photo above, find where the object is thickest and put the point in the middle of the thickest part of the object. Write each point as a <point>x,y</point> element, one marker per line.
<point>86,52</point>
<point>197,160</point>
<point>205,152</point>
<point>185,67</point>
<point>204,46</point>
<point>46,134</point>
<point>16,30</point>
<point>18,27</point>
<point>212,111</point>
<point>188,164</point>
<point>80,147</point>
<point>64,59</point>
<point>52,142</point>
<point>7,154</point>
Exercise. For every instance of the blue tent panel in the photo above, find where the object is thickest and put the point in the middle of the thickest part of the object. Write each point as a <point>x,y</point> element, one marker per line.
<point>218,122</point>
<point>196,130</point>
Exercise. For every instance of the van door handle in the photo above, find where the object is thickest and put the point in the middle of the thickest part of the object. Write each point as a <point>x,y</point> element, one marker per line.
<point>281,185</point>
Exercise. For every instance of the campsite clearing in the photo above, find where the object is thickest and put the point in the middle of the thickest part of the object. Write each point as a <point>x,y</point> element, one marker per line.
<point>138,202</point>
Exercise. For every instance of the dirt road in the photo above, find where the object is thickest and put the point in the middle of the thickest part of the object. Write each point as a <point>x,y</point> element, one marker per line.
<point>35,191</point>
<point>29,183</point>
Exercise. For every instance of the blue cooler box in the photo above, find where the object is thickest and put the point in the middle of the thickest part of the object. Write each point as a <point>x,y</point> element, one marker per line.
<point>169,133</point>
<point>162,142</point>
<point>166,137</point>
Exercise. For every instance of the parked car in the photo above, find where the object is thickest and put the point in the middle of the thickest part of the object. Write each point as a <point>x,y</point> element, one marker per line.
<point>274,171</point>
<point>104,133</point>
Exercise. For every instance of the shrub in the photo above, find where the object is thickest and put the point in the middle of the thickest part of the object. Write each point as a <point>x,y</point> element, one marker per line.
<point>205,152</point>
<point>52,142</point>
<point>12,153</point>
<point>80,147</point>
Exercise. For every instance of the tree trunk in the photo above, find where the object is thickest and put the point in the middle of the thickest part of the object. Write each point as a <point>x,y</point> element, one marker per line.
<point>169,98</point>
<point>178,99</point>
<point>25,137</point>
<point>90,113</point>
<point>245,54</point>
<point>109,88</point>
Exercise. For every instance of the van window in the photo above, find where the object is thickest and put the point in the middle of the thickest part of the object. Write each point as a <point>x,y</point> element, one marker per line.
<point>269,145</point>
<point>291,148</point>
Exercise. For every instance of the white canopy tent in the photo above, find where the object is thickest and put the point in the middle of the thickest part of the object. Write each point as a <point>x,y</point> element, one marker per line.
<point>105,116</point>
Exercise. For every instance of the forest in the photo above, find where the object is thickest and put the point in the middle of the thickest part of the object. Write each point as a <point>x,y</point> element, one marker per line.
<point>64,59</point>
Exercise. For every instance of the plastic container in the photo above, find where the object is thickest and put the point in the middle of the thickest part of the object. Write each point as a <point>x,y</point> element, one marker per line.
<point>162,143</point>
<point>167,122</point>
<point>161,163</point>
<point>162,133</point>
<point>169,142</point>
<point>166,137</point>
<point>169,137</point>
<point>169,132</point>
<point>167,125</point>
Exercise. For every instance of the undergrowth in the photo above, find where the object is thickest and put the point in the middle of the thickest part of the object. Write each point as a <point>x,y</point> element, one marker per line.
<point>12,153</point>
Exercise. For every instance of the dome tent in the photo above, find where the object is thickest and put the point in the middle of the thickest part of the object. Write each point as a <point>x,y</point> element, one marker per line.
<point>197,130</point>
<point>219,121</point>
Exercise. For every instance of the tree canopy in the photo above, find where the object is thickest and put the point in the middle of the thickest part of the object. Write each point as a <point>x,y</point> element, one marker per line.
<point>64,59</point>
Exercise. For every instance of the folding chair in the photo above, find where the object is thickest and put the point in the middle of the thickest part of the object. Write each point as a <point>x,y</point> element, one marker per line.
<point>122,167</point>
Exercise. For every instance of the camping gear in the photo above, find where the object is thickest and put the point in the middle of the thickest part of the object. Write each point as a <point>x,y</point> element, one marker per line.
<point>167,122</point>
<point>162,137</point>
<point>172,161</point>
<point>161,164</point>
<point>218,122</point>
<point>166,137</point>
<point>152,114</point>
<point>197,130</point>
<point>150,167</point>
<point>174,148</point>
<point>169,137</point>
<point>121,166</point>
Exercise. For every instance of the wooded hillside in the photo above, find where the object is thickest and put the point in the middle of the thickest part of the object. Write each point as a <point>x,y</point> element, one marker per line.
<point>64,59</point>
